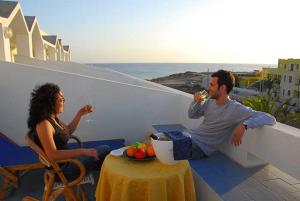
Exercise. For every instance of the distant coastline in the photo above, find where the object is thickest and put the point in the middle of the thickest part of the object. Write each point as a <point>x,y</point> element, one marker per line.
<point>188,82</point>
<point>156,70</point>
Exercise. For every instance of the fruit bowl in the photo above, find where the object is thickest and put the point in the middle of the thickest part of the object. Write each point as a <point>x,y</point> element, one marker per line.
<point>164,151</point>
<point>147,158</point>
<point>140,151</point>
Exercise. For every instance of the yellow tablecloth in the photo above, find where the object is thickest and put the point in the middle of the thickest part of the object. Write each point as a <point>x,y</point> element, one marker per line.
<point>125,180</point>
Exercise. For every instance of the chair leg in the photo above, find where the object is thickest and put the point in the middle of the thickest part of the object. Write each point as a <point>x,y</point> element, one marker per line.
<point>7,182</point>
<point>81,193</point>
<point>71,194</point>
<point>9,175</point>
<point>56,194</point>
<point>9,178</point>
<point>49,181</point>
<point>28,198</point>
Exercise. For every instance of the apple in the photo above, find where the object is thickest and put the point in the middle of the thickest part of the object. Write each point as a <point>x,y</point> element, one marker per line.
<point>140,153</point>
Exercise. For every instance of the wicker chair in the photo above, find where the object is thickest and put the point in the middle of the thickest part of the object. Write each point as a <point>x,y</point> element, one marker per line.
<point>71,190</point>
<point>19,160</point>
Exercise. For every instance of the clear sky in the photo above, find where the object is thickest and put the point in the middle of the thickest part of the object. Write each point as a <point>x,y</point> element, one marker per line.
<point>204,31</point>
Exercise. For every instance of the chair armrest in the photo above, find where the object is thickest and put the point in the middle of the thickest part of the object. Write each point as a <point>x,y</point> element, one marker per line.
<point>79,178</point>
<point>77,140</point>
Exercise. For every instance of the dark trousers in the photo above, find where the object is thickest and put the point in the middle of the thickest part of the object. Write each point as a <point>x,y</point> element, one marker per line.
<point>197,152</point>
<point>71,171</point>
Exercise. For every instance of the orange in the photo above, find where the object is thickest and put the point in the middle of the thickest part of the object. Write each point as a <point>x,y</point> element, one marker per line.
<point>131,151</point>
<point>150,151</point>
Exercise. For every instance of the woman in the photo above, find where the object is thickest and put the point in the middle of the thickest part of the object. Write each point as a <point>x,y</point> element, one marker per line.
<point>52,135</point>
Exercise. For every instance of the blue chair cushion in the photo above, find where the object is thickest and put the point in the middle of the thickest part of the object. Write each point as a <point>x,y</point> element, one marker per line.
<point>25,155</point>
<point>113,144</point>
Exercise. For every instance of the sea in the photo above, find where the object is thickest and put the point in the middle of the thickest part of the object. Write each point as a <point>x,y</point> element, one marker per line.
<point>155,70</point>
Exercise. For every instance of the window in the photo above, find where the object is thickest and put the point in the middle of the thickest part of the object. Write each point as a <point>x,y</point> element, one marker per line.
<point>289,93</point>
<point>283,92</point>
<point>295,93</point>
<point>292,67</point>
<point>290,79</point>
<point>284,78</point>
<point>297,66</point>
<point>284,65</point>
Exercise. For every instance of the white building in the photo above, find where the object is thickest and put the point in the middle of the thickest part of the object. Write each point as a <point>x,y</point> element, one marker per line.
<point>35,37</point>
<point>22,37</point>
<point>290,81</point>
<point>14,35</point>
<point>66,53</point>
<point>51,47</point>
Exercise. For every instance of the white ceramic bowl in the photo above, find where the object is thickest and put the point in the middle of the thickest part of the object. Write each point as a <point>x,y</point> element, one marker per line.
<point>164,151</point>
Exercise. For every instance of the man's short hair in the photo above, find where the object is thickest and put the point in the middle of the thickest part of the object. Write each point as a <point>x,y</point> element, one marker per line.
<point>225,78</point>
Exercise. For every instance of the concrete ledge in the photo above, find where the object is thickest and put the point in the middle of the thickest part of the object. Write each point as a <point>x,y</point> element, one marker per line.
<point>203,191</point>
<point>217,177</point>
<point>278,145</point>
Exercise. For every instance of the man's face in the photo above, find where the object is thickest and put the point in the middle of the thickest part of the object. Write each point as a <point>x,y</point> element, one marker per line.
<point>213,88</point>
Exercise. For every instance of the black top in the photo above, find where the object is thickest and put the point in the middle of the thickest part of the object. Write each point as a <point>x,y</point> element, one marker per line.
<point>61,135</point>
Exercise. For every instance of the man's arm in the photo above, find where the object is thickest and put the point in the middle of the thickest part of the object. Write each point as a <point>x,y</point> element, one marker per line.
<point>259,119</point>
<point>196,109</point>
<point>251,119</point>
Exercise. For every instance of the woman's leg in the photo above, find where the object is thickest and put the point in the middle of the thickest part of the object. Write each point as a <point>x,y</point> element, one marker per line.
<point>71,171</point>
<point>91,164</point>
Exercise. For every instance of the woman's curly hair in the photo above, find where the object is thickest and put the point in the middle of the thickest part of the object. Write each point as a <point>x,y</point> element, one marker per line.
<point>43,102</point>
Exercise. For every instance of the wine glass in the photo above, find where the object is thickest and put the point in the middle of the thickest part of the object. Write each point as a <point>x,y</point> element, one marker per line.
<point>204,94</point>
<point>88,117</point>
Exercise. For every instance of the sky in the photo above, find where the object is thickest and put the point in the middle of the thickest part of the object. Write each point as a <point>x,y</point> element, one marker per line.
<point>172,31</point>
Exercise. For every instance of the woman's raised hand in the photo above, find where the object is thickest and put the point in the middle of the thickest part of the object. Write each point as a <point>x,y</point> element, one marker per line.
<point>86,109</point>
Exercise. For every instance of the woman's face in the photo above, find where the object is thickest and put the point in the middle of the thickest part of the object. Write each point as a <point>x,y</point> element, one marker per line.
<point>60,103</point>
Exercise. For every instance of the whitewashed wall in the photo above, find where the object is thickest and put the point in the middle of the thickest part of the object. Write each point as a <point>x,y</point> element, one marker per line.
<point>120,110</point>
<point>278,145</point>
<point>91,71</point>
<point>24,45</point>
<point>37,42</point>
<point>4,45</point>
<point>52,53</point>
<point>123,110</point>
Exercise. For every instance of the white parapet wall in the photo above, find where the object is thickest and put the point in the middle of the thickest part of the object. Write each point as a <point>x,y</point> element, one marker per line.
<point>278,145</point>
<point>89,70</point>
<point>123,110</point>
<point>120,110</point>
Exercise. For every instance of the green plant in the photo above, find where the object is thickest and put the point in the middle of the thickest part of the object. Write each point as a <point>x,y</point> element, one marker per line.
<point>280,110</point>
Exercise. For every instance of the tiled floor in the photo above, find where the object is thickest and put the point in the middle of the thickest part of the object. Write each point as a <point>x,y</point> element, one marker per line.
<point>268,184</point>
<point>31,184</point>
<point>265,185</point>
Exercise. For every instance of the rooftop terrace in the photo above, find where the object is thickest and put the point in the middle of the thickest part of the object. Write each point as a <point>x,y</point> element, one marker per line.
<point>265,167</point>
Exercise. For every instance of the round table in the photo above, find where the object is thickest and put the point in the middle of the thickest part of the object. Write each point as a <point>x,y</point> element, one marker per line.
<point>122,179</point>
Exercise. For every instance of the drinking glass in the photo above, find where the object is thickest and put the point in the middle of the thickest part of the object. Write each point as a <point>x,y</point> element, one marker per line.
<point>89,116</point>
<point>204,94</point>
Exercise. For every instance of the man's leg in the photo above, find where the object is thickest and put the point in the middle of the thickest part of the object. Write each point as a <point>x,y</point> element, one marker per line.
<point>197,152</point>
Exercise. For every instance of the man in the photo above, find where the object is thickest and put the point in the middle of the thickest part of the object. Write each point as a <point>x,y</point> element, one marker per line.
<point>223,117</point>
